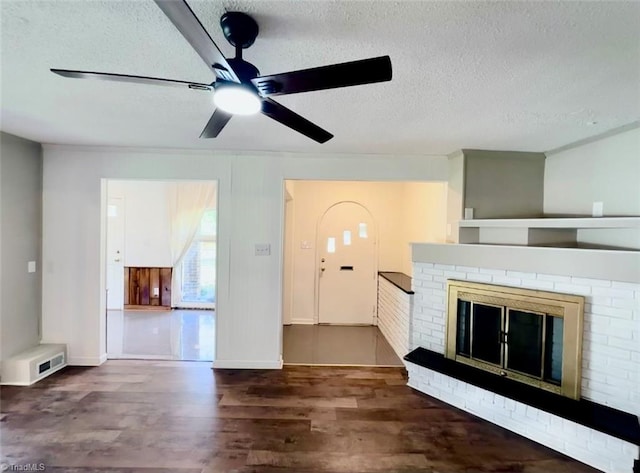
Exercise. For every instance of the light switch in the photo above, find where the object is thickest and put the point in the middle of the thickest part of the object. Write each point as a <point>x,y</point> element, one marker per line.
<point>31,266</point>
<point>263,249</point>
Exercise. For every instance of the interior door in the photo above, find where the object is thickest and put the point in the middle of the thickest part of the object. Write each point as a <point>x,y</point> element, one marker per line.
<point>347,265</point>
<point>115,253</point>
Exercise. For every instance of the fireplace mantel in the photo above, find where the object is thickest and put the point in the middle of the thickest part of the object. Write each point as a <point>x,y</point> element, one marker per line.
<point>586,263</point>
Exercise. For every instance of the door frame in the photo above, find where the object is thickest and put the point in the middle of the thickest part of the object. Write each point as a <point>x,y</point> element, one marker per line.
<point>374,232</point>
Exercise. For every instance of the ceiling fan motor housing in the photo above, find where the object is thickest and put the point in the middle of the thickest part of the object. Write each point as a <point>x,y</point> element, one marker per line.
<point>239,28</point>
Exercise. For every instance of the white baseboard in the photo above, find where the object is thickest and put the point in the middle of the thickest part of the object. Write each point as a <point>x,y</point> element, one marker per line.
<point>302,322</point>
<point>87,360</point>
<point>248,364</point>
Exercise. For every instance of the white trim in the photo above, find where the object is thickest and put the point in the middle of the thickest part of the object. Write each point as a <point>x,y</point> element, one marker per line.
<point>87,360</point>
<point>247,364</point>
<point>302,322</point>
<point>592,139</point>
<point>239,153</point>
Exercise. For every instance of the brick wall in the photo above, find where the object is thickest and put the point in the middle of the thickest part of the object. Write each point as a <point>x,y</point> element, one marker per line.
<point>595,448</point>
<point>394,314</point>
<point>611,340</point>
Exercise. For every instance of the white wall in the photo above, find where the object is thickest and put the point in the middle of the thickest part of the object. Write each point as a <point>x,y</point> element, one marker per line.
<point>20,242</point>
<point>424,217</point>
<point>147,240</point>
<point>606,170</point>
<point>394,316</point>
<point>312,198</point>
<point>250,211</point>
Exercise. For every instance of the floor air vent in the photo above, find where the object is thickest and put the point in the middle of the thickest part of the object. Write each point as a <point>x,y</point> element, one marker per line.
<point>32,365</point>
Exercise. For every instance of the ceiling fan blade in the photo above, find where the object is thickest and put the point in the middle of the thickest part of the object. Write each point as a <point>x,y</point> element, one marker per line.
<point>188,24</point>
<point>215,124</point>
<point>365,71</point>
<point>282,114</point>
<point>131,79</point>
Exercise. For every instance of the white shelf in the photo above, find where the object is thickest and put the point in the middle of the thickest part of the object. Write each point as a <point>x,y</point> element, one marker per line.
<point>570,222</point>
<point>548,231</point>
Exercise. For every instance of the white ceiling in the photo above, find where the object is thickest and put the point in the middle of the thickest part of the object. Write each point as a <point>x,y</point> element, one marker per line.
<point>529,76</point>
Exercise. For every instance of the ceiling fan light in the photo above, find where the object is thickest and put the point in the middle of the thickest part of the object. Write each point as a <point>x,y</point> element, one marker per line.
<point>237,99</point>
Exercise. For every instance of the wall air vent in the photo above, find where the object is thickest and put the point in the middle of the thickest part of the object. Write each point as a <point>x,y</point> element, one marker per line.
<point>34,364</point>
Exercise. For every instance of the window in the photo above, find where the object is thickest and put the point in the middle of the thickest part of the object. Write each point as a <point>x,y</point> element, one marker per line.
<point>362,230</point>
<point>198,271</point>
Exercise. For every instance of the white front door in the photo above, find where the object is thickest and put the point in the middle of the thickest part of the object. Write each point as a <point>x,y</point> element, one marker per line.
<point>347,265</point>
<point>115,253</point>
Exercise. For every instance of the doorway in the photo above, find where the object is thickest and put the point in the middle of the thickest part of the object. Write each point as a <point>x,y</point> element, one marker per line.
<point>337,235</point>
<point>161,269</point>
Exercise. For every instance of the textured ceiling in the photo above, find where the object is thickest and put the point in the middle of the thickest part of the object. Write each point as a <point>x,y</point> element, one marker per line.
<point>528,76</point>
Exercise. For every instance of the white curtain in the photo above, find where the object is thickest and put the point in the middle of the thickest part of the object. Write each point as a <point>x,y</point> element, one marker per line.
<point>187,203</point>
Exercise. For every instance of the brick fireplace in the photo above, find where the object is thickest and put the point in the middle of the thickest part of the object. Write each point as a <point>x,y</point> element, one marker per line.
<point>610,374</point>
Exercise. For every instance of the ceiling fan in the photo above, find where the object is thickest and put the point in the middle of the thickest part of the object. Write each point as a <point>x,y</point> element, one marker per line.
<point>238,87</point>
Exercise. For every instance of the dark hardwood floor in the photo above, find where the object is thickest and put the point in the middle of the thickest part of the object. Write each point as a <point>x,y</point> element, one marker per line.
<point>135,416</point>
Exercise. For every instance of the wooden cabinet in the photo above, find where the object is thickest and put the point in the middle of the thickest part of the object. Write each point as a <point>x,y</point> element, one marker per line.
<point>147,287</point>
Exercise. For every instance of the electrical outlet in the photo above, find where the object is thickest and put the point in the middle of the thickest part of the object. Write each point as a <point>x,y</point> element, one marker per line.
<point>468,213</point>
<point>598,209</point>
<point>263,249</point>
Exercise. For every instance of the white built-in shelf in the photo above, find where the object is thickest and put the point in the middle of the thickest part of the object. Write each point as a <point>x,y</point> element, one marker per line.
<point>546,231</point>
<point>549,222</point>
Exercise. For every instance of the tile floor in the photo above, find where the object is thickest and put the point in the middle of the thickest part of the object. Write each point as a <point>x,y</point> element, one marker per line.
<point>337,345</point>
<point>187,335</point>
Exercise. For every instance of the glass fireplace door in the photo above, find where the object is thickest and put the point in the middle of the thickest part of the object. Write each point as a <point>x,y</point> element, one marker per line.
<point>525,340</point>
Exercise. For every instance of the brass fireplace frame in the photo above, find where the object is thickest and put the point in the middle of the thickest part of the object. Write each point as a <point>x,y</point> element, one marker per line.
<point>569,307</point>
